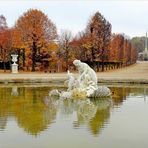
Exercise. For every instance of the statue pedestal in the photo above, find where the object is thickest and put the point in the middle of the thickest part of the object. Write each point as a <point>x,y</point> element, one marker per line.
<point>14,68</point>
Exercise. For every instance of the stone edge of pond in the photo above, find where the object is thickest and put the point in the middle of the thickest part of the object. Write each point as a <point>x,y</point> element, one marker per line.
<point>128,81</point>
<point>62,80</point>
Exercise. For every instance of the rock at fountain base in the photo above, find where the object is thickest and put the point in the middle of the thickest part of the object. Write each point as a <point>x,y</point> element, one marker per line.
<point>102,91</point>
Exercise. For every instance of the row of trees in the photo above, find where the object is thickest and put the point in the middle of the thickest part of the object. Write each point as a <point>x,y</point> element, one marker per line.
<point>36,35</point>
<point>121,49</point>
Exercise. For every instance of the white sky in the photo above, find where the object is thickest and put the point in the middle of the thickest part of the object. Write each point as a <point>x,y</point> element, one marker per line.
<point>126,16</point>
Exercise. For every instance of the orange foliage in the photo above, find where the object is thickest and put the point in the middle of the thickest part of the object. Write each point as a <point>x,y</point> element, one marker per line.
<point>37,31</point>
<point>121,49</point>
<point>16,39</point>
<point>35,34</point>
<point>5,44</point>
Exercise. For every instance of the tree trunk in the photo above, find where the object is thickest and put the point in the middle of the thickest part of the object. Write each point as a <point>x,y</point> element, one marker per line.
<point>103,58</point>
<point>23,58</point>
<point>92,54</point>
<point>66,61</point>
<point>34,50</point>
<point>4,64</point>
<point>102,65</point>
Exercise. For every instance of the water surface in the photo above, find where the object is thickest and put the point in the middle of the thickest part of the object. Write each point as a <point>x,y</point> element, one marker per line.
<point>29,118</point>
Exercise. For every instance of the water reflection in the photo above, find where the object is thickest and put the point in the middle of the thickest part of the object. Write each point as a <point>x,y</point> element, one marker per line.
<point>27,108</point>
<point>121,93</point>
<point>34,111</point>
<point>14,91</point>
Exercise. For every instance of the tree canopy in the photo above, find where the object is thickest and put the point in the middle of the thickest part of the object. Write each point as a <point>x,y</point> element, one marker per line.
<point>34,38</point>
<point>36,31</point>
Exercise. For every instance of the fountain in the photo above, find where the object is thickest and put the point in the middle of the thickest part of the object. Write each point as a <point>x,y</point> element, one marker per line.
<point>14,65</point>
<point>85,86</point>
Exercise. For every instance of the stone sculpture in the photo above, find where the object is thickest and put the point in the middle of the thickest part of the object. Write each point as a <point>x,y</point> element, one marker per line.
<point>85,86</point>
<point>87,76</point>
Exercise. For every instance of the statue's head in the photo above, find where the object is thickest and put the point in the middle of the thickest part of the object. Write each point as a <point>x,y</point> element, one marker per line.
<point>76,62</point>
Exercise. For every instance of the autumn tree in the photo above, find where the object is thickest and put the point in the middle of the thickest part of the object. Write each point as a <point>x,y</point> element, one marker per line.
<point>16,39</point>
<point>99,30</point>
<point>114,52</point>
<point>117,48</point>
<point>127,51</point>
<point>81,45</point>
<point>5,46</point>
<point>64,43</point>
<point>37,31</point>
<point>5,41</point>
<point>134,55</point>
<point>121,49</point>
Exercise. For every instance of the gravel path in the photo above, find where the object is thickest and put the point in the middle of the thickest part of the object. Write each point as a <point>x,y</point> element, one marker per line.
<point>134,73</point>
<point>137,73</point>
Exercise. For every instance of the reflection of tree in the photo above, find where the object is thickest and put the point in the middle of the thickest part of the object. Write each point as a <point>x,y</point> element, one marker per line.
<point>120,93</point>
<point>35,118</point>
<point>4,106</point>
<point>139,91</point>
<point>100,119</point>
<point>34,112</point>
<point>28,108</point>
<point>3,122</point>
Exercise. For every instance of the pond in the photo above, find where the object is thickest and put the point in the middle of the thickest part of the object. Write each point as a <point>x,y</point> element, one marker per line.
<point>29,118</point>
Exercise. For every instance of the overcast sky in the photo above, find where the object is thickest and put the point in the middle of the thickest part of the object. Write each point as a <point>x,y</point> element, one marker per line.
<point>129,17</point>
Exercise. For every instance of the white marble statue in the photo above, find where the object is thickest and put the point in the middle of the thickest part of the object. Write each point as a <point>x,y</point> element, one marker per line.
<point>87,80</point>
<point>85,86</point>
<point>87,76</point>
<point>86,83</point>
<point>71,81</point>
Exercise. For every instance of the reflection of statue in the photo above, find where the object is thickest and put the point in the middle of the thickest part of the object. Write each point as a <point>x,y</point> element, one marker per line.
<point>94,113</point>
<point>14,91</point>
<point>86,110</point>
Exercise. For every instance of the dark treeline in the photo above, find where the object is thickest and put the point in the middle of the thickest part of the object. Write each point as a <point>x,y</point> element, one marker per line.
<point>34,38</point>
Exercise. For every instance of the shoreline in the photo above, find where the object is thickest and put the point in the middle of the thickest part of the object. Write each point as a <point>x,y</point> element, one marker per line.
<point>133,74</point>
<point>62,77</point>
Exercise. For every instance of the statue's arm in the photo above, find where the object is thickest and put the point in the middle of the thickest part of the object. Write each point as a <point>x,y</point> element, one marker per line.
<point>84,72</point>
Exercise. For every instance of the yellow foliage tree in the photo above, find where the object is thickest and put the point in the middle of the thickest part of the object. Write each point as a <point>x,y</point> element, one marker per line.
<point>37,31</point>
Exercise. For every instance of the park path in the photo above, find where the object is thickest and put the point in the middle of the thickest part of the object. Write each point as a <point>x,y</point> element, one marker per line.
<point>137,73</point>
